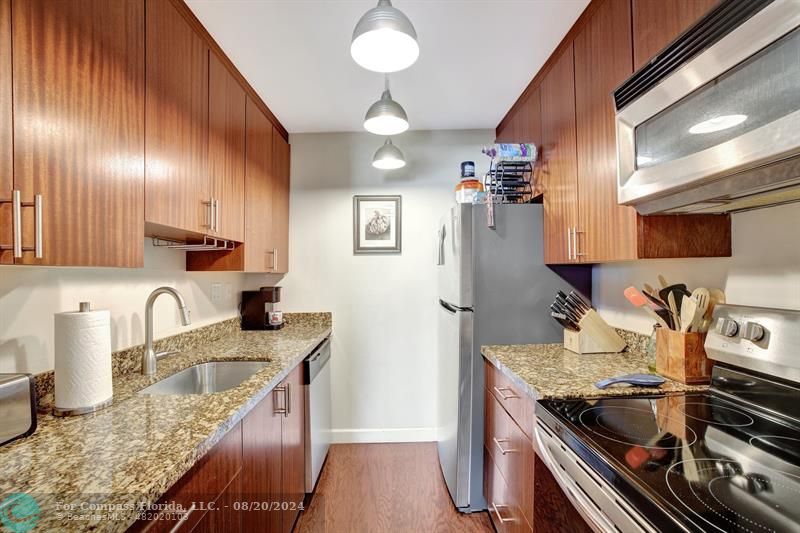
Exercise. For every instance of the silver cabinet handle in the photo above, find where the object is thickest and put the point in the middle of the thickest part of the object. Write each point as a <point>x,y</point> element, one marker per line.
<point>505,396</point>
<point>38,247</point>
<point>569,244</point>
<point>16,214</point>
<point>216,215</point>
<point>177,527</point>
<point>496,509</point>
<point>278,410</point>
<point>288,400</point>
<point>274,259</point>
<point>209,214</point>
<point>504,451</point>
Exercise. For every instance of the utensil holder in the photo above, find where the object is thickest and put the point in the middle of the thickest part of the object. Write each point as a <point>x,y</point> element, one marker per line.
<point>682,356</point>
<point>595,336</point>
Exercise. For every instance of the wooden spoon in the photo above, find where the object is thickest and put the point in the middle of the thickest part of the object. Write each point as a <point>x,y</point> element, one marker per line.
<point>688,313</point>
<point>673,307</point>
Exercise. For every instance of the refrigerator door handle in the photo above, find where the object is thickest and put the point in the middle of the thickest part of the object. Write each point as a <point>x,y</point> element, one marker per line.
<point>448,307</point>
<point>440,249</point>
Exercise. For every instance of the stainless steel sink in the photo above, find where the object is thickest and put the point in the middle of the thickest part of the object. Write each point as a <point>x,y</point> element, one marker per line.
<point>206,378</point>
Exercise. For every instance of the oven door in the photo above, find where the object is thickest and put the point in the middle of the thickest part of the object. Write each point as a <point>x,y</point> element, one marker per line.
<point>730,108</point>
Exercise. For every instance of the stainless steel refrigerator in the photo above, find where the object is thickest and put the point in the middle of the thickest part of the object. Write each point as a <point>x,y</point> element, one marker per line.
<point>494,288</point>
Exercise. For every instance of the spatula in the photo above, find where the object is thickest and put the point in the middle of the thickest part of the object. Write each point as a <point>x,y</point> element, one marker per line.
<point>688,313</point>
<point>638,300</point>
<point>701,298</point>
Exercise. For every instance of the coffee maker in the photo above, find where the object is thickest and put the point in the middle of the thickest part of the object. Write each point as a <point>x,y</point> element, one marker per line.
<point>258,309</point>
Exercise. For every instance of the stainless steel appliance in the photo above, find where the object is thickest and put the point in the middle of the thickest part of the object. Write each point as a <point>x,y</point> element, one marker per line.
<point>710,124</point>
<point>317,377</point>
<point>17,407</point>
<point>494,288</point>
<point>723,460</point>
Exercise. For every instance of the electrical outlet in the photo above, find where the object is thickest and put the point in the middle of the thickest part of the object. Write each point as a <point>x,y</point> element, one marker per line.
<point>216,292</point>
<point>228,292</point>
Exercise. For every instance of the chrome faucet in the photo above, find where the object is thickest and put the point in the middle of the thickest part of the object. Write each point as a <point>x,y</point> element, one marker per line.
<point>150,356</point>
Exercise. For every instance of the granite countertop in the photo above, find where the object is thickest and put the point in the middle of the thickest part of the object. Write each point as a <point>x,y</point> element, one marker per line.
<point>548,371</point>
<point>132,452</point>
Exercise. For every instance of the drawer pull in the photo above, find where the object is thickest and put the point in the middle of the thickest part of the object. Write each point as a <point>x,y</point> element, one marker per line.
<point>275,408</point>
<point>499,444</point>
<point>505,396</point>
<point>496,509</point>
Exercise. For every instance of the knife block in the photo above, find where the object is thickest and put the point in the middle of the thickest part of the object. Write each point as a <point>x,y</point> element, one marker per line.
<point>595,336</point>
<point>682,357</point>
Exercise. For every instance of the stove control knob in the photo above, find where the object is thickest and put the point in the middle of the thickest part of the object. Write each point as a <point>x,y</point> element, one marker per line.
<point>753,331</point>
<point>727,327</point>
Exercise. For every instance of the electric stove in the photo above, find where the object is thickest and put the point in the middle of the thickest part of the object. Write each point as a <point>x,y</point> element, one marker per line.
<point>723,460</point>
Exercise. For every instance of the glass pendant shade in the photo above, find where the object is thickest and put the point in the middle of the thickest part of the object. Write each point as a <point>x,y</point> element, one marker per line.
<point>388,157</point>
<point>384,40</point>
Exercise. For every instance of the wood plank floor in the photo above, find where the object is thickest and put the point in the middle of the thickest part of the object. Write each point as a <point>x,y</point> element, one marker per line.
<point>380,488</point>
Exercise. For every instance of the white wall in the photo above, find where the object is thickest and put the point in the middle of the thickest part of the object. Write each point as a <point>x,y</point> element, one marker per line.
<point>30,295</point>
<point>763,271</point>
<point>384,367</point>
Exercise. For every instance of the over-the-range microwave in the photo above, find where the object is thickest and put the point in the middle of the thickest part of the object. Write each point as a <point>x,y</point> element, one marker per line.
<point>712,123</point>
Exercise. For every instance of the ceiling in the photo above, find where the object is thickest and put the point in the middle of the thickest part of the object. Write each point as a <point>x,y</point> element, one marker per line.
<point>476,57</point>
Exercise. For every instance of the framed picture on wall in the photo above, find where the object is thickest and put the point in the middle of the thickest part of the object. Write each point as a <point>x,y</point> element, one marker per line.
<point>377,225</point>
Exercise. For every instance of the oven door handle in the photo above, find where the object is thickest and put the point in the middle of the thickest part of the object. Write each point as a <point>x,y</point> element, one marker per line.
<point>596,520</point>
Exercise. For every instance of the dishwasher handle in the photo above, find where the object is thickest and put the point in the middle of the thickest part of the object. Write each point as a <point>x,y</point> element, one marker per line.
<point>315,362</point>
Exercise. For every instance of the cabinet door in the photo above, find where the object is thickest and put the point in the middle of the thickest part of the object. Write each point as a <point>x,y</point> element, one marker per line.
<point>258,191</point>
<point>78,129</point>
<point>176,136</point>
<point>607,230</point>
<point>280,203</point>
<point>656,23</point>
<point>261,462</point>
<point>226,149</point>
<point>559,165</point>
<point>294,454</point>
<point>6,138</point>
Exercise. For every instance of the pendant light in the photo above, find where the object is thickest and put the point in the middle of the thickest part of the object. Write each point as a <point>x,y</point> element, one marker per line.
<point>384,40</point>
<point>388,157</point>
<point>386,117</point>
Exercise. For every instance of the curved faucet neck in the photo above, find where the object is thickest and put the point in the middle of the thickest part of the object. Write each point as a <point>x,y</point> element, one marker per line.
<point>149,356</point>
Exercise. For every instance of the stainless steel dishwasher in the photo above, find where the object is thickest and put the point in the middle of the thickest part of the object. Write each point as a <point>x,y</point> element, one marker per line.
<point>318,411</point>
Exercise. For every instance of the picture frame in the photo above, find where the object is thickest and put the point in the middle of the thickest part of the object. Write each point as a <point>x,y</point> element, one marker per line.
<point>377,224</point>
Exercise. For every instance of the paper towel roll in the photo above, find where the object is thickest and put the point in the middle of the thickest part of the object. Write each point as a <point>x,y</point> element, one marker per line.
<point>83,359</point>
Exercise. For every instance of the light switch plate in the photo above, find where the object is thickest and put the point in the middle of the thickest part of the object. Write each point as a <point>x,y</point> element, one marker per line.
<point>216,292</point>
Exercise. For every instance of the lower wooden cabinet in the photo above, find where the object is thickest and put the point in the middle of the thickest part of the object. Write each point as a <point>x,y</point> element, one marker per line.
<point>253,479</point>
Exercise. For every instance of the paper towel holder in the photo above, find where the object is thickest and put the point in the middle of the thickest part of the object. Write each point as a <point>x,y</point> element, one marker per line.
<point>83,307</point>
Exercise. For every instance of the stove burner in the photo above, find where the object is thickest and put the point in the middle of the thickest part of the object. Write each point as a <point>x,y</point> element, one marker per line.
<point>599,420</point>
<point>705,412</point>
<point>720,480</point>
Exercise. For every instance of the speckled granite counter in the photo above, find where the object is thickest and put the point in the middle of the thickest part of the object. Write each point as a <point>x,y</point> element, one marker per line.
<point>550,371</point>
<point>133,451</point>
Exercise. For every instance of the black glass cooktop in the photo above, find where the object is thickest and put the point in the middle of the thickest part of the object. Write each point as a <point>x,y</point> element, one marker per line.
<point>699,462</point>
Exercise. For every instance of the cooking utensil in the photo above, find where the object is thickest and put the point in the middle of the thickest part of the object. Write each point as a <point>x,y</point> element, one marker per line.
<point>639,300</point>
<point>680,291</point>
<point>673,307</point>
<point>716,297</point>
<point>663,281</point>
<point>688,313</point>
<point>639,380</point>
<point>661,309</point>
<point>701,298</point>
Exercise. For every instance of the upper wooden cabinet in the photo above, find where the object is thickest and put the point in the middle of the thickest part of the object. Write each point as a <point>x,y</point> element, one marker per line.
<point>606,231</point>
<point>78,71</point>
<point>6,135</point>
<point>281,154</point>
<point>559,166</point>
<point>226,150</point>
<point>524,124</point>
<point>177,185</point>
<point>258,188</point>
<point>657,22</point>
<point>583,221</point>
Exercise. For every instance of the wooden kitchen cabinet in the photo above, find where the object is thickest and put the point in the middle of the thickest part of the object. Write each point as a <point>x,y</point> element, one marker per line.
<point>606,231</point>
<point>524,124</point>
<point>78,105</point>
<point>657,22</point>
<point>176,118</point>
<point>280,204</point>
<point>274,456</point>
<point>6,135</point>
<point>559,159</point>
<point>226,150</point>
<point>258,192</point>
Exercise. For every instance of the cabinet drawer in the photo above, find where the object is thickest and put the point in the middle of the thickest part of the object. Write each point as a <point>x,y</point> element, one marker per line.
<point>512,453</point>
<point>505,514</point>
<point>518,404</point>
